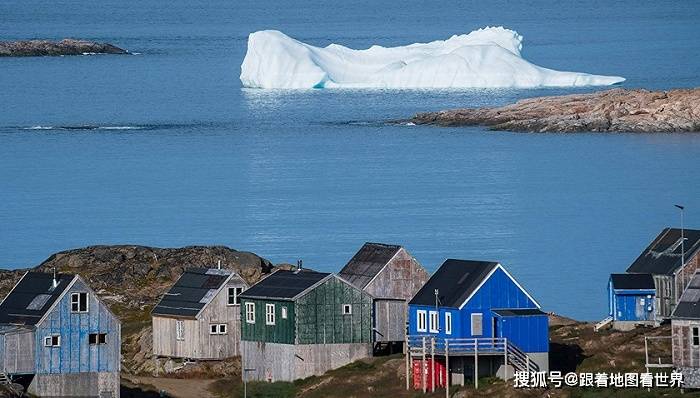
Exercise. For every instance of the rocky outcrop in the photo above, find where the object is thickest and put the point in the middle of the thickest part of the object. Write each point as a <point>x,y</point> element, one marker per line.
<point>39,48</point>
<point>618,110</point>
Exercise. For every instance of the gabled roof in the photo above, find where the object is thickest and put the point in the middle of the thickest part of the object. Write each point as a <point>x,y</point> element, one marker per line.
<point>689,304</point>
<point>195,288</point>
<point>32,297</point>
<point>455,280</point>
<point>285,285</point>
<point>663,255</point>
<point>369,261</point>
<point>632,281</point>
<point>518,312</point>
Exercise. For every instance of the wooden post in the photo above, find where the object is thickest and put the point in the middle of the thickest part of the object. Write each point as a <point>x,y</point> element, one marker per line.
<point>476,364</point>
<point>423,368</point>
<point>505,359</point>
<point>447,369</point>
<point>408,362</point>
<point>432,363</point>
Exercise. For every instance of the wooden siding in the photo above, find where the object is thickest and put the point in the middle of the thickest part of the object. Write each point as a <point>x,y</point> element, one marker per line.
<point>17,352</point>
<point>401,278</point>
<point>75,353</point>
<point>102,385</point>
<point>390,320</point>
<point>665,296</point>
<point>320,319</point>
<point>283,331</point>
<point>198,343</point>
<point>683,352</point>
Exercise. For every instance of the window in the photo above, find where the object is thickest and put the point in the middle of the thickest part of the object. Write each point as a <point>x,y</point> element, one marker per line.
<point>696,336</point>
<point>434,322</point>
<point>52,341</point>
<point>420,320</point>
<point>284,312</point>
<point>250,312</point>
<point>448,323</point>
<point>79,302</point>
<point>477,324</point>
<point>347,309</point>
<point>217,328</point>
<point>269,314</point>
<point>233,293</point>
<point>179,330</point>
<point>97,338</point>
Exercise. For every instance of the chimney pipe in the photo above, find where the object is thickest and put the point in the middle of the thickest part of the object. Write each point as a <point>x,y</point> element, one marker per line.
<point>55,282</point>
<point>219,265</point>
<point>299,265</point>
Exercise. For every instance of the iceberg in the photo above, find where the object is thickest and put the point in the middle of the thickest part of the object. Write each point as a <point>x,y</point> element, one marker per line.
<point>485,58</point>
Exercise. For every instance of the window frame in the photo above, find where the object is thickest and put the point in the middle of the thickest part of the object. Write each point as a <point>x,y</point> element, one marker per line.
<point>50,338</point>
<point>76,302</point>
<point>223,329</point>
<point>100,338</point>
<point>283,312</point>
<point>348,307</point>
<point>249,312</point>
<point>473,316</point>
<point>421,321</point>
<point>218,329</point>
<point>213,328</point>
<point>179,330</point>
<point>695,336</point>
<point>434,321</point>
<point>448,322</point>
<point>270,314</point>
<point>237,291</point>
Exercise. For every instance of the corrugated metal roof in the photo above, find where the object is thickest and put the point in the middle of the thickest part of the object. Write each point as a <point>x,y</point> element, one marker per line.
<point>367,263</point>
<point>455,281</point>
<point>663,255</point>
<point>689,303</point>
<point>32,297</point>
<point>518,312</point>
<point>194,289</point>
<point>632,281</point>
<point>284,284</point>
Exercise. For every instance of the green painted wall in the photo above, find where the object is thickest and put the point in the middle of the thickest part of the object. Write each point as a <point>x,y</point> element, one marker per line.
<point>281,332</point>
<point>320,316</point>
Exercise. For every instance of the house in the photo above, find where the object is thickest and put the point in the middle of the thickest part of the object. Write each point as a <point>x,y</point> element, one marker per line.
<point>477,317</point>
<point>631,300</point>
<point>303,323</point>
<point>199,317</point>
<point>56,334</point>
<point>671,263</point>
<point>685,334</point>
<point>392,276</point>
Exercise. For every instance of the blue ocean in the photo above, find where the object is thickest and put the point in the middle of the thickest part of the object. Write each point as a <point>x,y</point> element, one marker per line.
<point>165,148</point>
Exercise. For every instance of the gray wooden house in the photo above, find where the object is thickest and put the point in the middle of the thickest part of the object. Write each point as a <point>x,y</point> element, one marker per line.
<point>57,334</point>
<point>685,334</point>
<point>199,317</point>
<point>672,265</point>
<point>392,276</point>
<point>302,323</point>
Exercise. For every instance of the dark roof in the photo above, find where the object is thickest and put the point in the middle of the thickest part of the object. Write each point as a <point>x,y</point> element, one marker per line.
<point>32,297</point>
<point>663,256</point>
<point>367,263</point>
<point>689,303</point>
<point>284,284</point>
<point>633,281</point>
<point>518,312</point>
<point>195,289</point>
<point>455,281</point>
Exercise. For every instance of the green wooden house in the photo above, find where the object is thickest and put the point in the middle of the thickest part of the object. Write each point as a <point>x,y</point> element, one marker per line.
<point>296,324</point>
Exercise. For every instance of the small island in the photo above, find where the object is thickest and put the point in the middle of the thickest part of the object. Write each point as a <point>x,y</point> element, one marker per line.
<point>42,48</point>
<point>617,110</point>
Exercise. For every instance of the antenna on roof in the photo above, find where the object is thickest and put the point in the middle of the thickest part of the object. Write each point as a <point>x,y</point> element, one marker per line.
<point>55,282</point>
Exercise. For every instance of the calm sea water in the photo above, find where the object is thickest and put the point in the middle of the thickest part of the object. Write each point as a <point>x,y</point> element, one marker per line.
<point>165,148</point>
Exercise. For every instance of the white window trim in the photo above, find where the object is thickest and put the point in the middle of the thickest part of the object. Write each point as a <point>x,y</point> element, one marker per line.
<point>434,326</point>
<point>87,302</point>
<point>223,328</point>
<point>179,330</point>
<point>218,328</point>
<point>236,294</point>
<point>448,323</point>
<point>421,326</point>
<point>269,314</point>
<point>349,309</point>
<point>284,312</point>
<point>49,339</point>
<point>481,317</point>
<point>692,335</point>
<point>250,312</point>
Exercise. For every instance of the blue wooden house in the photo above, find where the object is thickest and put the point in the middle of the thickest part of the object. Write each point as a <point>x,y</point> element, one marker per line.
<point>631,300</point>
<point>59,337</point>
<point>476,308</point>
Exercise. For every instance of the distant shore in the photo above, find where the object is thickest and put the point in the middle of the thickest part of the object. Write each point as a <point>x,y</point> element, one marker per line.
<point>42,48</point>
<point>617,110</point>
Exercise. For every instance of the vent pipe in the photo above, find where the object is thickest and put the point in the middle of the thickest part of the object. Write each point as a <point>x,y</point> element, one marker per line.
<point>299,264</point>
<point>219,265</point>
<point>55,282</point>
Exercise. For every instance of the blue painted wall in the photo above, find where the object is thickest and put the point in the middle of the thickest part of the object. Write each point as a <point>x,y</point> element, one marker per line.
<point>530,333</point>
<point>498,292</point>
<point>75,353</point>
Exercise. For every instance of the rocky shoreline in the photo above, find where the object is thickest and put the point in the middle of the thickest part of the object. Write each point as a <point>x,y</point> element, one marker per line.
<point>617,110</point>
<point>42,48</point>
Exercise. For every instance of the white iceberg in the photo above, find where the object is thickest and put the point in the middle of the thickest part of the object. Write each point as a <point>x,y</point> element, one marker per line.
<point>484,58</point>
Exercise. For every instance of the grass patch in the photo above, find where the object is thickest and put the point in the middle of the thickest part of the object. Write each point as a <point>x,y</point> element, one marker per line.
<point>229,388</point>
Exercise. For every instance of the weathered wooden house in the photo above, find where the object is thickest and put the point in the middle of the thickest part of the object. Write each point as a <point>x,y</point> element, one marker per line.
<point>199,318</point>
<point>631,300</point>
<point>474,318</point>
<point>671,263</point>
<point>685,334</point>
<point>56,332</point>
<point>302,323</point>
<point>392,276</point>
